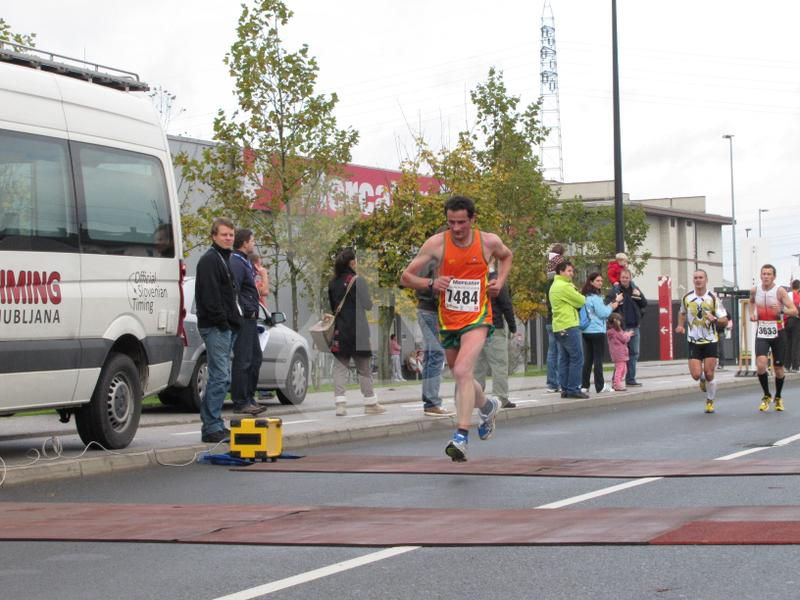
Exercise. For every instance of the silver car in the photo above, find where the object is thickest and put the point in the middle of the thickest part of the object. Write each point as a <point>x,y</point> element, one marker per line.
<point>284,367</point>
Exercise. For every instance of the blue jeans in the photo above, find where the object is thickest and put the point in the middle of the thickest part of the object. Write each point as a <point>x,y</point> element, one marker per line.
<point>552,358</point>
<point>434,358</point>
<point>219,344</point>
<point>570,361</point>
<point>633,356</point>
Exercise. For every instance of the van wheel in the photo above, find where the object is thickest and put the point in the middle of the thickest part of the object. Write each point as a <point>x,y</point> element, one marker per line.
<point>191,397</point>
<point>296,386</point>
<point>112,416</point>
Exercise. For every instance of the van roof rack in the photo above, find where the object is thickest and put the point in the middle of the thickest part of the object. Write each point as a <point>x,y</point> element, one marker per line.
<point>27,56</point>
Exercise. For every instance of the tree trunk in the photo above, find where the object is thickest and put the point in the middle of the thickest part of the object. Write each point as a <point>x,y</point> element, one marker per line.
<point>276,281</point>
<point>385,319</point>
<point>293,285</point>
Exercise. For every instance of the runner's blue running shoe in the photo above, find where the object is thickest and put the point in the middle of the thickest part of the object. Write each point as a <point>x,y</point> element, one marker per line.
<point>486,428</point>
<point>457,448</point>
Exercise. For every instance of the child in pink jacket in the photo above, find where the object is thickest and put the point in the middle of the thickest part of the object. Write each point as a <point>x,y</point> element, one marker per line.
<point>618,349</point>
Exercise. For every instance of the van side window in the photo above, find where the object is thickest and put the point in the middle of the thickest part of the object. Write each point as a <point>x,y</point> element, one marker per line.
<point>37,206</point>
<point>125,207</point>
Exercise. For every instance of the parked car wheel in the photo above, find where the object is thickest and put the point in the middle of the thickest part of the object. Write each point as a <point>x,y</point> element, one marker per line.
<point>294,391</point>
<point>112,415</point>
<point>192,396</point>
<point>169,397</point>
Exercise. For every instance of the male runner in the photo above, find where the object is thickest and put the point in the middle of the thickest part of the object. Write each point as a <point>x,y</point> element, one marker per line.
<point>465,313</point>
<point>766,302</point>
<point>703,310</point>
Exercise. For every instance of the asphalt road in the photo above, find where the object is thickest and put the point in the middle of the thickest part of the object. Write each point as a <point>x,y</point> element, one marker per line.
<point>663,430</point>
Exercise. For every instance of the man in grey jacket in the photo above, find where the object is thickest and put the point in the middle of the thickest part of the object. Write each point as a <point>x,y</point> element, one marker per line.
<point>495,351</point>
<point>433,361</point>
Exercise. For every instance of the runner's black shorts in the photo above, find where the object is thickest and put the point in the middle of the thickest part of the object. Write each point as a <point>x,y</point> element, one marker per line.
<point>703,351</point>
<point>776,344</point>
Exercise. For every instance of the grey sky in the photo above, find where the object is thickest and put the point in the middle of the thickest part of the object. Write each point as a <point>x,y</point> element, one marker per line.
<point>690,72</point>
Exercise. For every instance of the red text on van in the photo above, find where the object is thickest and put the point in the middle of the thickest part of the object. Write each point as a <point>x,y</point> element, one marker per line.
<point>30,287</point>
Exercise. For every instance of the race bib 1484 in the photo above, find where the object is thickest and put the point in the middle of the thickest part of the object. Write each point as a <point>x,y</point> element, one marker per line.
<point>463,295</point>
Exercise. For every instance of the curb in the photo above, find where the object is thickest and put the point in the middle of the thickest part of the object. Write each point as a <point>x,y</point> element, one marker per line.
<point>113,462</point>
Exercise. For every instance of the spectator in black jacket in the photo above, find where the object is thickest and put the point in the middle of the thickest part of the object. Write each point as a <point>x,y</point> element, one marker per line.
<point>351,333</point>
<point>218,320</point>
<point>495,351</point>
<point>631,310</point>
<point>247,353</point>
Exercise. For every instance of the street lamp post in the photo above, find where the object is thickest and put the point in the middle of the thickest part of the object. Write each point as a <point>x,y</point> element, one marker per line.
<point>760,210</point>
<point>729,137</point>
<point>619,225</point>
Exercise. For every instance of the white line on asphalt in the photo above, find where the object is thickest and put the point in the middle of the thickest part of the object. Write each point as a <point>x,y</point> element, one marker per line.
<point>284,422</point>
<point>743,453</point>
<point>787,440</point>
<point>283,584</point>
<point>417,406</point>
<point>601,492</point>
<point>346,565</point>
<point>644,480</point>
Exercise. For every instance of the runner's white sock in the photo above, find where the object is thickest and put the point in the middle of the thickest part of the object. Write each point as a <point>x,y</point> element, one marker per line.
<point>711,389</point>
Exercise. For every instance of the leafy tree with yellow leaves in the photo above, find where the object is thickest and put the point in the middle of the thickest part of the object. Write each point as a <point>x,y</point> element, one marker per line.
<point>279,150</point>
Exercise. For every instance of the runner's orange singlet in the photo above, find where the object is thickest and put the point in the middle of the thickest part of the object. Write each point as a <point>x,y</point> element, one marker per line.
<point>465,303</point>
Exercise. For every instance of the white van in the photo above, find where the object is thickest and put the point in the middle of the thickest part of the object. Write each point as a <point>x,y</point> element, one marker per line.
<point>91,307</point>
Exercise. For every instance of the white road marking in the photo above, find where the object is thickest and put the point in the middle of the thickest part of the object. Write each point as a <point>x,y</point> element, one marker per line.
<point>283,584</point>
<point>346,565</point>
<point>743,453</point>
<point>601,492</point>
<point>787,440</point>
<point>417,406</point>
<point>644,480</point>
<point>285,423</point>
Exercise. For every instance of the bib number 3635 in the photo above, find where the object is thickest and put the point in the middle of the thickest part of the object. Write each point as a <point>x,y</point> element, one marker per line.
<point>463,295</point>
<point>767,330</point>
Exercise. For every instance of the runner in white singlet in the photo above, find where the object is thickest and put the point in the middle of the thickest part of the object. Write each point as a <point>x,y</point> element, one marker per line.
<point>768,303</point>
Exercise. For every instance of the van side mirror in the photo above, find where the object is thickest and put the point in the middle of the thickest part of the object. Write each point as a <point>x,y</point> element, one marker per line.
<point>278,317</point>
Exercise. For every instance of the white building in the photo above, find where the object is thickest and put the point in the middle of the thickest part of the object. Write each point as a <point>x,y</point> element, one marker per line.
<point>682,236</point>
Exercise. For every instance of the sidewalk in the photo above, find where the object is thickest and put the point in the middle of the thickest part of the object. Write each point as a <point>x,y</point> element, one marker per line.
<point>168,437</point>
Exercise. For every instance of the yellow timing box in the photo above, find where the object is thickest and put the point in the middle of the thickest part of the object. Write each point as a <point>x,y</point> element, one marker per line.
<point>256,438</point>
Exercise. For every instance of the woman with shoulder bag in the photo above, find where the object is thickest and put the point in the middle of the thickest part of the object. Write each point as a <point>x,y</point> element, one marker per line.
<point>594,335</point>
<point>351,332</point>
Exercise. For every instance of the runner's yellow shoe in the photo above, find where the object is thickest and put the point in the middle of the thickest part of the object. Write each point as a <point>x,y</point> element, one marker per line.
<point>709,406</point>
<point>778,403</point>
<point>703,384</point>
<point>764,406</point>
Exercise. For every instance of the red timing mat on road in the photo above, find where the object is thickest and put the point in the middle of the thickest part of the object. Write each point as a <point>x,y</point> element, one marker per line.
<point>377,526</point>
<point>529,467</point>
